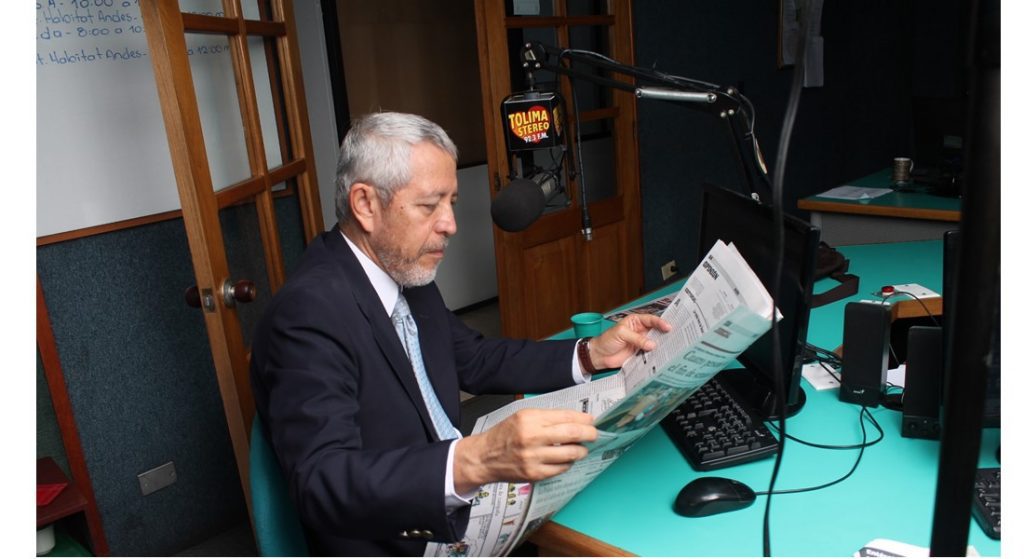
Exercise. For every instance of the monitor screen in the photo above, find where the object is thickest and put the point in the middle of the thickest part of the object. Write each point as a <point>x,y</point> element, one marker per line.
<point>735,218</point>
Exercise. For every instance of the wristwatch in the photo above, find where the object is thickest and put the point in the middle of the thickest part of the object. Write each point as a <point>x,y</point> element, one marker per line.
<point>583,353</point>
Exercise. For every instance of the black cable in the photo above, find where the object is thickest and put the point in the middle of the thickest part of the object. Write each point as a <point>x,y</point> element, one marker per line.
<point>780,169</point>
<point>824,354</point>
<point>745,106</point>
<point>935,321</point>
<point>864,432</point>
<point>871,418</point>
<point>586,229</point>
<point>830,370</point>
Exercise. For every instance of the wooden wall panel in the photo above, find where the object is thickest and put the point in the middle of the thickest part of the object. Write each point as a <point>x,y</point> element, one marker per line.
<point>606,267</point>
<point>551,286</point>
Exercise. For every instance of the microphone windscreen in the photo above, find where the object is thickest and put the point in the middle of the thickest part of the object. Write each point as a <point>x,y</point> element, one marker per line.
<point>518,205</point>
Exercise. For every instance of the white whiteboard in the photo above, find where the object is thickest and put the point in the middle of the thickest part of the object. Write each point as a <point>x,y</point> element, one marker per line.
<point>101,148</point>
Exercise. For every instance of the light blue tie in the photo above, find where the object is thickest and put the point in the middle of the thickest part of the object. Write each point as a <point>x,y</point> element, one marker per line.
<point>409,335</point>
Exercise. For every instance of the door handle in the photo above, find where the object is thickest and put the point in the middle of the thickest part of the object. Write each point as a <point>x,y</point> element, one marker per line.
<point>242,291</point>
<point>195,300</point>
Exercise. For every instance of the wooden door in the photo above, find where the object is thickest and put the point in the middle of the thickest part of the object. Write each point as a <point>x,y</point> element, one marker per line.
<point>549,271</point>
<point>265,33</point>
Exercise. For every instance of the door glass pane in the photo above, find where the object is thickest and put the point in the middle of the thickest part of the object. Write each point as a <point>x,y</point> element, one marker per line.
<point>587,7</point>
<point>598,162</point>
<point>202,7</point>
<point>265,77</point>
<point>251,9</point>
<point>529,8</point>
<point>289,227</point>
<point>242,243</point>
<point>590,95</point>
<point>544,79</point>
<point>214,79</point>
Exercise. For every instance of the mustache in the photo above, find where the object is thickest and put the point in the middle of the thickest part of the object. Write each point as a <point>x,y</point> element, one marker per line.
<point>436,246</point>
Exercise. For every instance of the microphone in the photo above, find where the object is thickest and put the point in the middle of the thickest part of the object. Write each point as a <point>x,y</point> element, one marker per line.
<point>532,121</point>
<point>664,94</point>
<point>523,201</point>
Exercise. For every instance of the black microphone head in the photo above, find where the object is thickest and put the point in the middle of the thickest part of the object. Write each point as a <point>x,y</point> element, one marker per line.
<point>518,205</point>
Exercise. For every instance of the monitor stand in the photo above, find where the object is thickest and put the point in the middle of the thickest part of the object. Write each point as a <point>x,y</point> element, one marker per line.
<point>755,393</point>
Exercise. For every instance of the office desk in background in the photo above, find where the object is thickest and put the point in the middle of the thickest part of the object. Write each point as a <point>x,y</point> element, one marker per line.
<point>894,217</point>
<point>627,509</point>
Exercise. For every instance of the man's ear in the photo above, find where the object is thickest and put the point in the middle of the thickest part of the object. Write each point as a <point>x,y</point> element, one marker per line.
<point>364,205</point>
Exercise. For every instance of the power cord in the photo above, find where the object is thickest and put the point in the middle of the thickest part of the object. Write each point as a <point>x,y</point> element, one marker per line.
<point>785,135</point>
<point>745,106</point>
<point>885,298</point>
<point>860,447</point>
<point>586,228</point>
<point>863,444</point>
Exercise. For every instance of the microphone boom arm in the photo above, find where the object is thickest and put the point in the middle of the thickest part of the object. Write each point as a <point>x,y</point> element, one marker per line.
<point>725,103</point>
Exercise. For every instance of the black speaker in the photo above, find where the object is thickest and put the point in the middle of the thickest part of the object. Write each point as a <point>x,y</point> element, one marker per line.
<point>865,353</point>
<point>922,391</point>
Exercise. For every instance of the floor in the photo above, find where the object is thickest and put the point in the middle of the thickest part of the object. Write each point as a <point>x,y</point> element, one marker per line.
<point>235,542</point>
<point>484,317</point>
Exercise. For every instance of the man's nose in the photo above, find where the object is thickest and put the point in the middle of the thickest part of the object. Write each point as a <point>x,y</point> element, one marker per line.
<point>446,222</point>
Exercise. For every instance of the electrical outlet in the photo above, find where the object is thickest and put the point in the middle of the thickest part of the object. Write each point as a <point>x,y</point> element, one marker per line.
<point>157,478</point>
<point>669,269</point>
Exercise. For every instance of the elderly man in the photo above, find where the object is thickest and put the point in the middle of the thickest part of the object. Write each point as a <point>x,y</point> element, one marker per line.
<point>357,363</point>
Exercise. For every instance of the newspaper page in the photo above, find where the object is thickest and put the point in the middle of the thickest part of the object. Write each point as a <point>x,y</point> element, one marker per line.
<point>497,513</point>
<point>655,307</point>
<point>721,310</point>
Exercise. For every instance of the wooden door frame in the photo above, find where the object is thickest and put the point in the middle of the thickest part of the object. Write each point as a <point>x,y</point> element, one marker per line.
<point>495,85</point>
<point>166,26</point>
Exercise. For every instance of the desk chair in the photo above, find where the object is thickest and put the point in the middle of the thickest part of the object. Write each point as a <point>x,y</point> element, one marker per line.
<point>275,521</point>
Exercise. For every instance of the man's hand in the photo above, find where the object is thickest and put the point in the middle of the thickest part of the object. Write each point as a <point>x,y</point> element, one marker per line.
<point>531,445</point>
<point>611,349</point>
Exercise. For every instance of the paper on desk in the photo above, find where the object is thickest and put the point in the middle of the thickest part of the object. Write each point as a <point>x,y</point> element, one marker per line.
<point>882,547</point>
<point>820,379</point>
<point>854,193</point>
<point>898,376</point>
<point>915,289</point>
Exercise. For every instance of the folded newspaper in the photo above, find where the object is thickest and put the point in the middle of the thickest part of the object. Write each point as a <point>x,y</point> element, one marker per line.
<point>721,310</point>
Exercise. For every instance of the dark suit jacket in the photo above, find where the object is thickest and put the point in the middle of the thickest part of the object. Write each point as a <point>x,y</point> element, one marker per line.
<point>342,409</point>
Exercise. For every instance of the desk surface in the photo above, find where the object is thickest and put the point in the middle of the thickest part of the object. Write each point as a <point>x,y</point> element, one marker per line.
<point>890,495</point>
<point>905,204</point>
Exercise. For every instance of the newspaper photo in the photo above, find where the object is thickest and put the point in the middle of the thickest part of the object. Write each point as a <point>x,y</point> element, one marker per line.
<point>721,309</point>
<point>655,307</point>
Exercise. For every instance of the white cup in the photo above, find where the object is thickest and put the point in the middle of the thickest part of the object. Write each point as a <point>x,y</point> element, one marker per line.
<point>901,169</point>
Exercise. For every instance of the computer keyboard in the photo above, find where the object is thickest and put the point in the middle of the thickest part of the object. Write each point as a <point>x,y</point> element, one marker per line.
<point>714,430</point>
<point>986,501</point>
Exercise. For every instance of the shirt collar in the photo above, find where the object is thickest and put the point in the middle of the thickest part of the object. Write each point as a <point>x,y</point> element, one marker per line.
<point>386,288</point>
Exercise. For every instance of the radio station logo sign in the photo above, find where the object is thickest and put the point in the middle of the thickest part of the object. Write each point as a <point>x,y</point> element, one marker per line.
<point>535,124</point>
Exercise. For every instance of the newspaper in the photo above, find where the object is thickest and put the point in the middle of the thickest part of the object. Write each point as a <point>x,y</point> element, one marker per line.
<point>721,310</point>
<point>655,307</point>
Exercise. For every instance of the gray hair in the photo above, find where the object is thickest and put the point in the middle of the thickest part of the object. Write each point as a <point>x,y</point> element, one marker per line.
<point>376,151</point>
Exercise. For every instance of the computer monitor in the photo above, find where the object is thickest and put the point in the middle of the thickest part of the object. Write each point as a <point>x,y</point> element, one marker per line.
<point>732,217</point>
<point>950,267</point>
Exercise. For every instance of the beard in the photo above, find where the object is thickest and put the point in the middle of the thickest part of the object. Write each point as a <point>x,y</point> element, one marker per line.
<point>407,271</point>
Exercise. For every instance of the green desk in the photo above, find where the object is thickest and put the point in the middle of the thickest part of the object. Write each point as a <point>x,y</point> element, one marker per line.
<point>628,508</point>
<point>893,217</point>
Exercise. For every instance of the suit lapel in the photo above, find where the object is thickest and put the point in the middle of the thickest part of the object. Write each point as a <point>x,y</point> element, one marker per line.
<point>381,326</point>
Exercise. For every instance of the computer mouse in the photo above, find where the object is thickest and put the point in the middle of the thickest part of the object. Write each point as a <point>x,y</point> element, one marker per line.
<point>705,496</point>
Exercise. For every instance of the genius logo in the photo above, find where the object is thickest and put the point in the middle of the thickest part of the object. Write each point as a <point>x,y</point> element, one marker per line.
<point>531,125</point>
